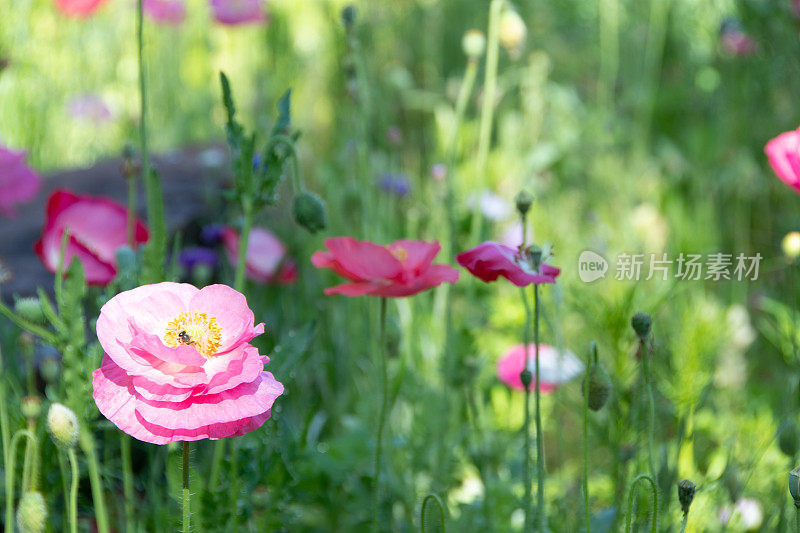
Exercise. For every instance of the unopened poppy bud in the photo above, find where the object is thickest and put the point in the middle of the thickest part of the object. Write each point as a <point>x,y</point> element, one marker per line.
<point>686,494</point>
<point>349,16</point>
<point>31,407</point>
<point>62,425</point>
<point>309,211</point>
<point>30,309</point>
<point>473,43</point>
<point>524,201</point>
<point>641,324</point>
<point>512,31</point>
<point>526,377</point>
<point>794,486</point>
<point>599,386</point>
<point>789,438</point>
<point>32,512</point>
<point>791,245</point>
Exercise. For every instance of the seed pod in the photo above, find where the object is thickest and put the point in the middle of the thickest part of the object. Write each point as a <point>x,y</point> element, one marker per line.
<point>794,486</point>
<point>599,388</point>
<point>789,438</point>
<point>686,491</point>
<point>641,323</point>
<point>62,425</point>
<point>32,512</point>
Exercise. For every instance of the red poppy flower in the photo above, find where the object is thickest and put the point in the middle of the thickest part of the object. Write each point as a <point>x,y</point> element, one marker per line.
<point>97,228</point>
<point>490,260</point>
<point>266,261</point>
<point>79,8</point>
<point>402,268</point>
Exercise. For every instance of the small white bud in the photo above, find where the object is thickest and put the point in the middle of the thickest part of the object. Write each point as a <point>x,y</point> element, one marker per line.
<point>62,425</point>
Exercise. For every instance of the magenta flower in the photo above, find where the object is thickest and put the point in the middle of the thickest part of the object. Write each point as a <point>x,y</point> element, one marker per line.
<point>178,364</point>
<point>79,8</point>
<point>166,11</point>
<point>556,367</point>
<point>236,12</point>
<point>18,183</point>
<point>97,228</point>
<point>402,268</point>
<point>490,260</point>
<point>266,261</point>
<point>784,157</point>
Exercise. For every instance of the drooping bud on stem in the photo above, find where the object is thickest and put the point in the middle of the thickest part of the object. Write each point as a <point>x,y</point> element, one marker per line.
<point>686,491</point>
<point>641,323</point>
<point>62,425</point>
<point>32,512</point>
<point>309,211</point>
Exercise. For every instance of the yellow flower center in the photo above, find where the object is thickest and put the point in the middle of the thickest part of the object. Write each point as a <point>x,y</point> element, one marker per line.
<point>400,253</point>
<point>194,329</point>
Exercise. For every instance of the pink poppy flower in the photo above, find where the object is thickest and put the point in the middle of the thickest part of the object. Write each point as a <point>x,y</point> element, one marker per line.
<point>18,183</point>
<point>784,156</point>
<point>266,260</point>
<point>79,8</point>
<point>556,367</point>
<point>235,12</point>
<point>97,228</point>
<point>89,107</point>
<point>178,364</point>
<point>490,260</point>
<point>402,268</point>
<point>166,11</point>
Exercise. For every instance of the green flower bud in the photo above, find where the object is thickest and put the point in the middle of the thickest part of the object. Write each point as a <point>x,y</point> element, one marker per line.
<point>30,309</point>
<point>32,512</point>
<point>524,200</point>
<point>526,377</point>
<point>49,369</point>
<point>794,486</point>
<point>62,425</point>
<point>685,494</point>
<point>349,16</point>
<point>789,438</point>
<point>474,44</point>
<point>599,388</point>
<point>309,211</point>
<point>641,324</point>
<point>31,407</point>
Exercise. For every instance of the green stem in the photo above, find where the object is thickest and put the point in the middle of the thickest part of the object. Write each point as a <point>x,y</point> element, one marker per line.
<point>130,222</point>
<point>651,430</point>
<point>590,360</point>
<point>540,474</point>
<point>244,239</point>
<point>5,430</point>
<point>638,478</point>
<point>73,492</point>
<point>685,519</point>
<point>46,336</point>
<point>87,445</point>
<point>297,182</point>
<point>127,481</point>
<point>10,475</point>
<point>435,498</point>
<point>487,110</point>
<point>797,521</point>
<point>381,415</point>
<point>216,463</point>
<point>185,499</point>
<point>526,469</point>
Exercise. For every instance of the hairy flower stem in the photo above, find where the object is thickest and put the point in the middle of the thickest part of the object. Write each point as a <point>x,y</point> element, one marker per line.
<point>797,516</point>
<point>244,239</point>
<point>73,491</point>
<point>540,474</point>
<point>487,110</point>
<point>87,445</point>
<point>127,480</point>
<point>649,479</point>
<point>185,498</point>
<point>5,430</point>
<point>9,471</point>
<point>652,414</point>
<point>684,520</point>
<point>526,468</point>
<point>381,415</point>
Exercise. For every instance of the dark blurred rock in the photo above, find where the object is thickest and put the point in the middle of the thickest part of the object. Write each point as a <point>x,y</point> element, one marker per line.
<point>190,177</point>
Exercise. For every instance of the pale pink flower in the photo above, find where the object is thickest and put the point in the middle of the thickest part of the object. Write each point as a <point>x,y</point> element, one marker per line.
<point>166,11</point>
<point>18,183</point>
<point>267,259</point>
<point>556,367</point>
<point>179,365</point>
<point>89,107</point>
<point>235,12</point>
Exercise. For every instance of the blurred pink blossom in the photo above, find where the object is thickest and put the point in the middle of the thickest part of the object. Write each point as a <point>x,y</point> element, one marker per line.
<point>166,11</point>
<point>235,12</point>
<point>557,367</point>
<point>89,107</point>
<point>79,8</point>
<point>784,157</point>
<point>18,183</point>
